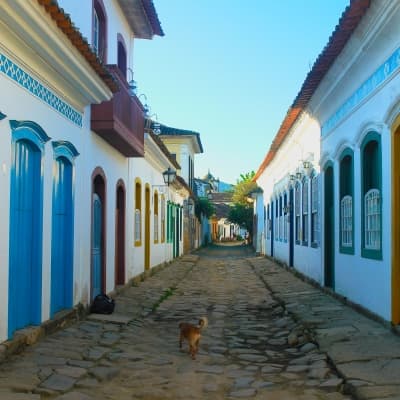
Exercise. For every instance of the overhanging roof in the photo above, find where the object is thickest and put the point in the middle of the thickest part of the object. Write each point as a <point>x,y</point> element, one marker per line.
<point>168,131</point>
<point>342,33</point>
<point>142,18</point>
<point>66,25</point>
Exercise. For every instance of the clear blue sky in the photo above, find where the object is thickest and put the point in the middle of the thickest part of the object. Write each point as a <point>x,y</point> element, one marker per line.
<point>230,69</point>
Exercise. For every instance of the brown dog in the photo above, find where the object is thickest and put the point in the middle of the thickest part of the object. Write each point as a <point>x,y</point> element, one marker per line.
<point>191,333</point>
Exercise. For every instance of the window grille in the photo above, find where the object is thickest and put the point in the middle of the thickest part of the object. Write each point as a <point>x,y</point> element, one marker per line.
<point>346,206</point>
<point>285,219</point>
<point>372,219</point>
<point>297,213</point>
<point>305,211</point>
<point>314,211</point>
<point>138,226</point>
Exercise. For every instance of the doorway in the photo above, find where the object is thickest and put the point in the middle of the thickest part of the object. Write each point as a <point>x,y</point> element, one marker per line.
<point>396,222</point>
<point>329,228</point>
<point>120,234</point>
<point>147,228</point>
<point>98,253</point>
<point>62,237</point>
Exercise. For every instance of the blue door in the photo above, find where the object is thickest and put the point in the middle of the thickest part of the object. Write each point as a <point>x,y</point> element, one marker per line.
<point>62,237</point>
<point>25,279</point>
<point>96,246</point>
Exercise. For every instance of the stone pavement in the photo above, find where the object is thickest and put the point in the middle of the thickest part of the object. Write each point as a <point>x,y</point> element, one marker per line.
<point>270,336</point>
<point>365,352</point>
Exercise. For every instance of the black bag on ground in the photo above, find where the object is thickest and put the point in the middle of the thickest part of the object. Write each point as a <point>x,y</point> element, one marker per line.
<point>102,304</point>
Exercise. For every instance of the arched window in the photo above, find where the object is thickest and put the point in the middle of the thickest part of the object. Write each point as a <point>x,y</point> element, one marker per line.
<point>99,34</point>
<point>371,178</point>
<point>297,213</point>
<point>346,239</point>
<point>138,213</point>
<point>155,217</point>
<point>305,212</point>
<point>314,212</point>
<point>162,218</point>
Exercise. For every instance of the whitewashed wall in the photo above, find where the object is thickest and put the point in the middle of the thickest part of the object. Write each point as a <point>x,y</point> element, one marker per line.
<point>82,13</point>
<point>301,144</point>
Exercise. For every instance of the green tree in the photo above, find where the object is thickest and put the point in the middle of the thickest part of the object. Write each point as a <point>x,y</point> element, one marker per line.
<point>203,206</point>
<point>243,188</point>
<point>241,212</point>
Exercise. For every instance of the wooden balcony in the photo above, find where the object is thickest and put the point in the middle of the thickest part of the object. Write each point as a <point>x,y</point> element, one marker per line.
<point>120,121</point>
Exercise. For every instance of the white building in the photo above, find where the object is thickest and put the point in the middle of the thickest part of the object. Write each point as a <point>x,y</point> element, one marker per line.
<point>72,153</point>
<point>345,121</point>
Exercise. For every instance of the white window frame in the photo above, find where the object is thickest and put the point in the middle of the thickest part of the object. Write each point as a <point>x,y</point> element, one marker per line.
<point>314,211</point>
<point>297,196</point>
<point>346,213</point>
<point>138,225</point>
<point>372,213</point>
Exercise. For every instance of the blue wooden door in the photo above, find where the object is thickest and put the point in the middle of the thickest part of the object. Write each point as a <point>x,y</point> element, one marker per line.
<point>96,246</point>
<point>25,279</point>
<point>62,237</point>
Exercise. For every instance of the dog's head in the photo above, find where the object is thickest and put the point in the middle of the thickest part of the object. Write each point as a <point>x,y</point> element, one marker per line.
<point>203,322</point>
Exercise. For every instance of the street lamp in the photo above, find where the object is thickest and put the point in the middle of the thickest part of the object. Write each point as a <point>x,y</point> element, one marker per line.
<point>169,176</point>
<point>132,84</point>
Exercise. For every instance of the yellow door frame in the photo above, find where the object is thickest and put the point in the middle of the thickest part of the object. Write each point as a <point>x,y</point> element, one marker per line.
<point>396,221</point>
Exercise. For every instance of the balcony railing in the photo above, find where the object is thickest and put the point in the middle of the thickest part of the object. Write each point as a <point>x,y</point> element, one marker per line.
<point>120,121</point>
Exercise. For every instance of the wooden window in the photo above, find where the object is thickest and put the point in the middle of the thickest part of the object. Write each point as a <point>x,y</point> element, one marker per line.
<point>162,218</point>
<point>297,213</point>
<point>346,239</point>
<point>138,213</point>
<point>314,212</point>
<point>122,55</point>
<point>372,230</point>
<point>305,212</point>
<point>371,189</point>
<point>99,34</point>
<point>285,215</point>
<point>155,200</point>
<point>346,221</point>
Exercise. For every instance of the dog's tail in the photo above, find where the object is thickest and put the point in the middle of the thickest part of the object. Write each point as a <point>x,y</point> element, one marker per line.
<point>203,322</point>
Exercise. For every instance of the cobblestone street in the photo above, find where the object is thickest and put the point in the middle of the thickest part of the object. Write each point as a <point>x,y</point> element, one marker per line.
<point>253,347</point>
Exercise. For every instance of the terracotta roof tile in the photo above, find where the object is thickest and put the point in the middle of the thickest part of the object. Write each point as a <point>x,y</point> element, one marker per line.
<point>65,24</point>
<point>343,31</point>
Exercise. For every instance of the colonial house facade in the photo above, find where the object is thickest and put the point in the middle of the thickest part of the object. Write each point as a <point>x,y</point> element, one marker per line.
<point>184,145</point>
<point>331,176</point>
<point>84,206</point>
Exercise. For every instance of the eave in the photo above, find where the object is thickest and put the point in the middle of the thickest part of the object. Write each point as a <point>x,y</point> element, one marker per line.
<point>31,34</point>
<point>156,156</point>
<point>142,18</point>
<point>337,41</point>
